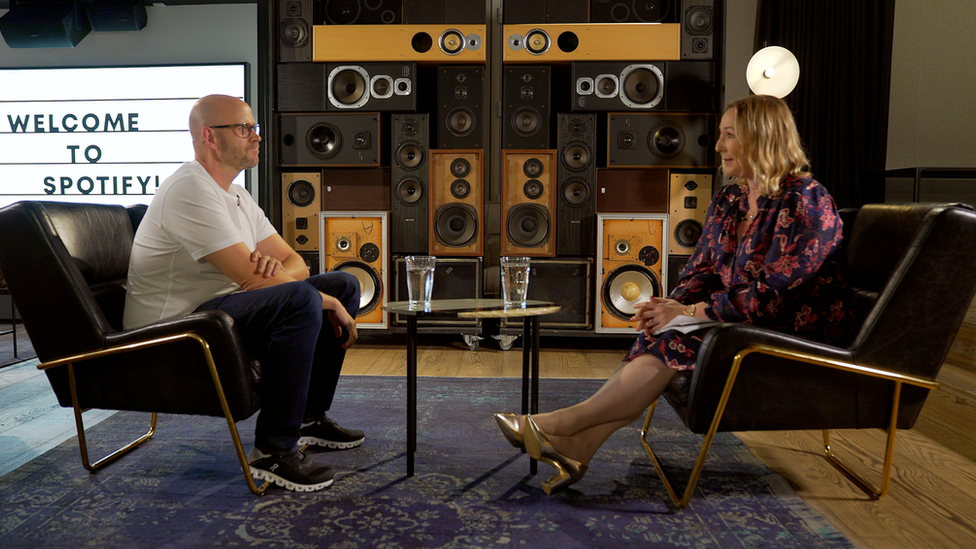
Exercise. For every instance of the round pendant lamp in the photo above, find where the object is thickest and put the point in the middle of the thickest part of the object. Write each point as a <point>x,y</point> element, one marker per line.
<point>774,71</point>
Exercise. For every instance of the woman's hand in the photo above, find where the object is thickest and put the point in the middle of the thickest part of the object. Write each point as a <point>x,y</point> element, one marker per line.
<point>655,313</point>
<point>267,266</point>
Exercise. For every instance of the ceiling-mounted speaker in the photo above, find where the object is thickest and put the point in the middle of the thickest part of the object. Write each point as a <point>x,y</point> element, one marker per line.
<point>44,25</point>
<point>116,15</point>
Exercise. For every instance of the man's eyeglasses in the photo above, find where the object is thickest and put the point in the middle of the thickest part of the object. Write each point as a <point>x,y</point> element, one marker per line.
<point>242,130</point>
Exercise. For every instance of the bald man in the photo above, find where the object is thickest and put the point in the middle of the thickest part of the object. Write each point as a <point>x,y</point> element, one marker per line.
<point>204,244</point>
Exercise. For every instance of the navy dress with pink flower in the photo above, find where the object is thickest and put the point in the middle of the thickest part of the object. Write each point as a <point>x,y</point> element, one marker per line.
<point>783,275</point>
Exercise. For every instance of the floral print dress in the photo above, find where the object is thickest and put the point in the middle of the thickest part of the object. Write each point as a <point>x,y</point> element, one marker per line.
<point>782,275</point>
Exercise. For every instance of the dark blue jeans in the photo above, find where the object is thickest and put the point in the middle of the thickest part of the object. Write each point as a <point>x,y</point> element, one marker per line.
<point>285,328</point>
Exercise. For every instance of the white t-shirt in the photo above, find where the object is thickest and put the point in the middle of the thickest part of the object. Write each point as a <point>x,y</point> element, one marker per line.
<point>190,217</point>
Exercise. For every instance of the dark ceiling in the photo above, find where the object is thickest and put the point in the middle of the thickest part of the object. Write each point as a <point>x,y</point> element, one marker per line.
<point>5,4</point>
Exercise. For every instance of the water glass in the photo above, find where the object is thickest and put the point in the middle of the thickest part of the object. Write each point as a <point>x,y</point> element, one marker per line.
<point>420,278</point>
<point>515,280</point>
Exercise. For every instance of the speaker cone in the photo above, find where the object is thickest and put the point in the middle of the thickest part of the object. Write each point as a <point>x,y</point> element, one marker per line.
<point>324,140</point>
<point>460,167</point>
<point>642,87</point>
<point>606,86</point>
<point>370,285</point>
<point>699,20</point>
<point>651,11</point>
<point>460,121</point>
<point>576,193</point>
<point>451,41</point>
<point>627,286</point>
<point>532,189</point>
<point>455,225</point>
<point>348,87</point>
<point>382,87</point>
<point>537,42</point>
<point>533,168</point>
<point>342,12</point>
<point>460,189</point>
<point>409,191</point>
<point>649,255</point>
<point>301,193</point>
<point>665,140</point>
<point>410,156</point>
<point>576,156</point>
<point>526,121</point>
<point>293,33</point>
<point>528,225</point>
<point>687,233</point>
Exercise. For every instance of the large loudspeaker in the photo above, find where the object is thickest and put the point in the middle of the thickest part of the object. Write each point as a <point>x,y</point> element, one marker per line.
<point>356,189</point>
<point>44,25</point>
<point>576,184</point>
<point>409,193</point>
<point>643,86</point>
<point>442,12</point>
<point>525,116</point>
<point>372,86</point>
<point>359,12</point>
<point>294,30</point>
<point>629,11</point>
<point>528,203</point>
<point>665,140</point>
<point>454,278</point>
<point>545,11</point>
<point>698,24</point>
<point>457,203</point>
<point>689,198</point>
<point>561,43</point>
<point>348,139</point>
<point>567,283</point>
<point>636,191</point>
<point>355,242</point>
<point>631,266</point>
<point>448,43</point>
<point>116,15</point>
<point>460,107</point>
<point>301,202</point>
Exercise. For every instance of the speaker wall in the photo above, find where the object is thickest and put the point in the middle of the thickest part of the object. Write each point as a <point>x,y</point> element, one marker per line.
<point>576,184</point>
<point>567,283</point>
<point>528,203</point>
<point>301,202</point>
<point>348,139</point>
<point>625,11</point>
<point>116,15</point>
<point>561,43</point>
<point>44,25</point>
<point>454,278</point>
<point>546,11</point>
<point>409,192</point>
<point>442,12</point>
<point>356,189</point>
<point>447,43</point>
<point>632,265</point>
<point>359,12</point>
<point>672,140</point>
<point>460,107</point>
<point>294,30</point>
<point>637,191</point>
<point>356,243</point>
<point>689,197</point>
<point>371,86</point>
<point>643,86</point>
<point>525,115</point>
<point>698,25</point>
<point>457,202</point>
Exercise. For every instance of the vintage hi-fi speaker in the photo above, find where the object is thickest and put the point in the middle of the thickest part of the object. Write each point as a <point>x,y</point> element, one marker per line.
<point>356,242</point>
<point>664,140</point>
<point>525,112</point>
<point>44,24</point>
<point>644,86</point>
<point>356,189</point>
<point>576,185</point>
<point>631,266</point>
<point>346,139</point>
<point>409,189</point>
<point>698,26</point>
<point>528,203</point>
<point>359,12</point>
<point>442,12</point>
<point>546,11</point>
<point>561,43</point>
<point>567,282</point>
<point>447,43</point>
<point>454,278</point>
<point>460,107</point>
<point>689,198</point>
<point>622,11</point>
<point>301,202</point>
<point>294,30</point>
<point>371,86</point>
<point>637,191</point>
<point>457,203</point>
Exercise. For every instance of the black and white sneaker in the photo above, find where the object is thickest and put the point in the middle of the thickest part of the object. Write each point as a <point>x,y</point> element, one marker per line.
<point>292,471</point>
<point>327,433</point>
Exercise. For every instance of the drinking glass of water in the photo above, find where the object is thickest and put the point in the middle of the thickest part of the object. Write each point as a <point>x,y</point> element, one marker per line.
<point>420,278</point>
<point>515,280</point>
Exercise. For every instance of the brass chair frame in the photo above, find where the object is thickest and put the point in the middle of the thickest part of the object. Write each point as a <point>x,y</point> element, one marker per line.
<point>82,440</point>
<point>897,378</point>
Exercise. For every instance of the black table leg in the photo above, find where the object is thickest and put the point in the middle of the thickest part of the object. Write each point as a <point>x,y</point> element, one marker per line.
<point>411,391</point>
<point>530,359</point>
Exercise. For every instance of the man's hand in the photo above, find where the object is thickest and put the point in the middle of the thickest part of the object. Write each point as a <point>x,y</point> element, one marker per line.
<point>267,266</point>
<point>340,319</point>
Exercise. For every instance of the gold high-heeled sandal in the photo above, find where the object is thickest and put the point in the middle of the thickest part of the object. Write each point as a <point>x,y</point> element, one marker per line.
<point>538,445</point>
<point>509,425</point>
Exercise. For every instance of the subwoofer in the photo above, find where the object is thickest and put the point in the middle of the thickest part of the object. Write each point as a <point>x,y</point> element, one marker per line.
<point>457,203</point>
<point>294,31</point>
<point>576,184</point>
<point>448,43</point>
<point>525,114</point>
<point>409,184</point>
<point>443,12</point>
<point>632,266</point>
<point>698,26</point>
<point>643,86</point>
<point>301,202</point>
<point>528,203</point>
<point>371,86</point>
<point>460,107</point>
<point>689,198</point>
<point>356,188</point>
<point>360,12</point>
<point>347,139</point>
<point>633,11</point>
<point>562,43</point>
<point>665,140</point>
<point>454,278</point>
<point>566,282</point>
<point>356,243</point>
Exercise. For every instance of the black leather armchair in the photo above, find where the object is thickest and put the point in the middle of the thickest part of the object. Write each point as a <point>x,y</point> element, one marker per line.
<point>66,267</point>
<point>912,269</point>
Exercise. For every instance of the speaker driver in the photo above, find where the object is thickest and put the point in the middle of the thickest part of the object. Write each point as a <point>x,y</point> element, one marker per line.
<point>687,233</point>
<point>528,225</point>
<point>625,287</point>
<point>526,121</point>
<point>460,121</point>
<point>699,20</point>
<point>348,87</point>
<point>301,193</point>
<point>575,193</point>
<point>643,86</point>
<point>456,225</point>
<point>533,168</point>
<point>369,252</point>
<point>649,255</point>
<point>460,189</point>
<point>460,167</point>
<point>293,33</point>
<point>342,12</point>
<point>410,156</point>
<point>451,41</point>
<point>324,140</point>
<point>381,86</point>
<point>651,11</point>
<point>409,191</point>
<point>606,86</point>
<point>666,140</point>
<point>576,156</point>
<point>537,42</point>
<point>370,285</point>
<point>532,189</point>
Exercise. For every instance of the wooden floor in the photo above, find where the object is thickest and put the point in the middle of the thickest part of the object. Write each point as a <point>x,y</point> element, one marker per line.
<point>931,503</point>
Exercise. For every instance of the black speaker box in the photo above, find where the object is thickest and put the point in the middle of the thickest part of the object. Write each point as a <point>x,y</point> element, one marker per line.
<point>302,87</point>
<point>443,12</point>
<point>371,86</point>
<point>44,25</point>
<point>116,15</point>
<point>567,283</point>
<point>454,278</point>
<point>676,263</point>
<point>409,189</point>
<point>698,25</point>
<point>647,86</point>
<point>359,12</point>
<point>663,140</point>
<point>346,139</point>
<point>576,145</point>
<point>294,30</point>
<point>461,121</point>
<point>545,11</point>
<point>526,108</point>
<point>624,11</point>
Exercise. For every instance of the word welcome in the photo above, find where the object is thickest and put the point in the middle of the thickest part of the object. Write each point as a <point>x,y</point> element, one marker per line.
<point>48,123</point>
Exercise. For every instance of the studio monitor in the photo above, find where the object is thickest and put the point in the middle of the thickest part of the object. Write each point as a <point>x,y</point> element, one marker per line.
<point>454,278</point>
<point>371,86</point>
<point>561,43</point>
<point>457,202</point>
<point>643,86</point>
<point>294,30</point>
<point>444,12</point>
<point>301,202</point>
<point>689,197</point>
<point>698,26</point>
<point>356,243</point>
<point>360,12</point>
<point>460,107</point>
<point>447,43</point>
<point>567,283</point>
<point>44,25</point>
<point>409,189</point>
<point>576,184</point>
<point>663,140</point>
<point>346,139</point>
<point>528,203</point>
<point>525,114</point>
<point>631,266</point>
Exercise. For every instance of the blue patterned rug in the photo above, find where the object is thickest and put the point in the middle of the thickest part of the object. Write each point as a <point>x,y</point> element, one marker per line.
<point>184,488</point>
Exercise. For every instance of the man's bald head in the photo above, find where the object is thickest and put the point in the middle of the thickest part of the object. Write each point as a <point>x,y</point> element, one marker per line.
<point>216,110</point>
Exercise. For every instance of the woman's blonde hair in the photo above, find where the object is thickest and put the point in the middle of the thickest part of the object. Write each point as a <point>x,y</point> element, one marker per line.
<point>771,145</point>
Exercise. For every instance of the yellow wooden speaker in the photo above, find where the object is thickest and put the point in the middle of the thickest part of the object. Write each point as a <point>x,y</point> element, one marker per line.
<point>631,266</point>
<point>356,242</point>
